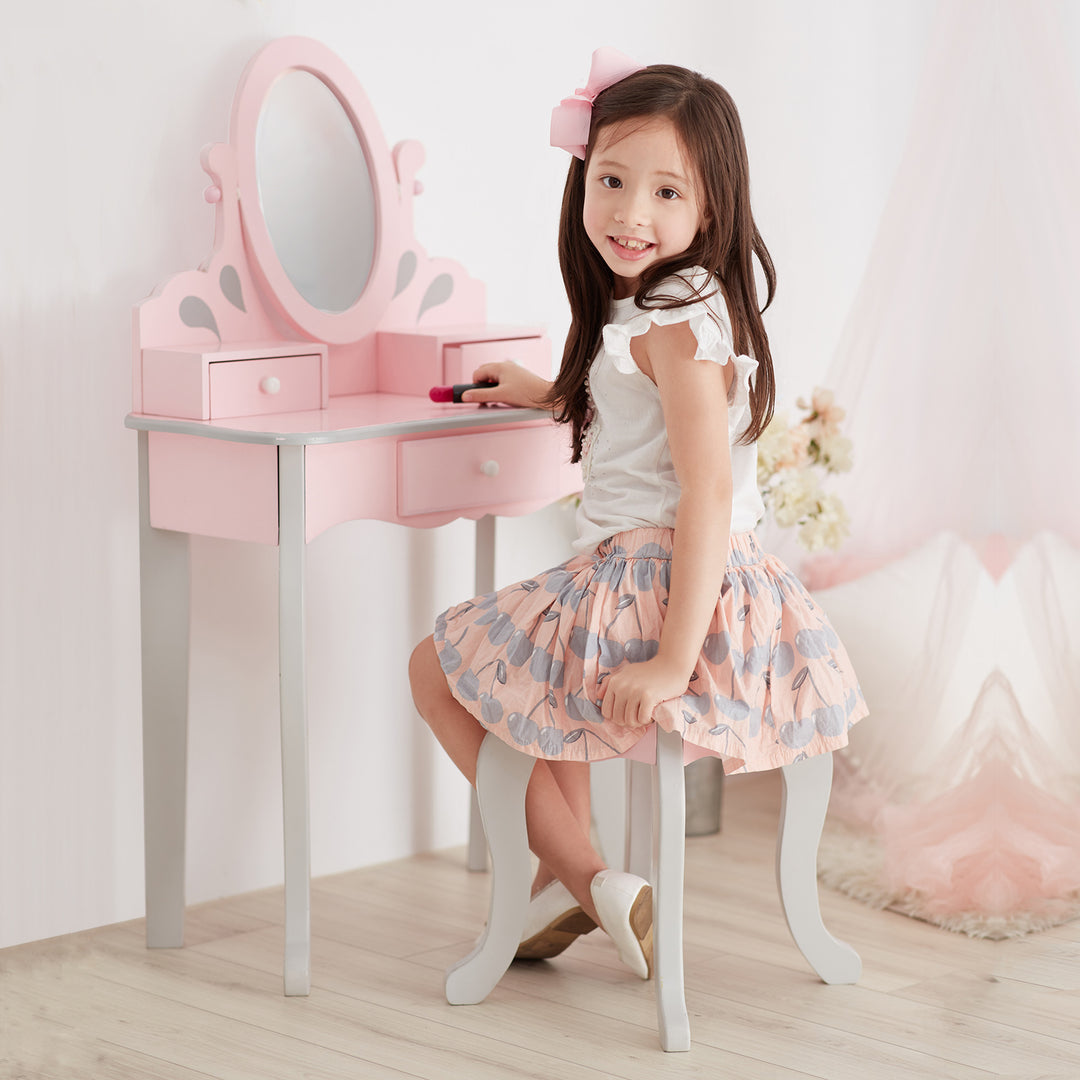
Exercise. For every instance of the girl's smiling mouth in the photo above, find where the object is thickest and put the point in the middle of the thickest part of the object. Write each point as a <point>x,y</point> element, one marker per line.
<point>630,247</point>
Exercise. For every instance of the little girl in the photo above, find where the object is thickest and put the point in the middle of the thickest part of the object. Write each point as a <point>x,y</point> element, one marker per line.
<point>670,612</point>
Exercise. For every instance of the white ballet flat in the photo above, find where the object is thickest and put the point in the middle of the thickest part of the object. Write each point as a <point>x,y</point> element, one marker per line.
<point>554,920</point>
<point>624,904</point>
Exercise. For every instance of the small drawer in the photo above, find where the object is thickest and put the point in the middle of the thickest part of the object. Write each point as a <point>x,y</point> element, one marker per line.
<point>275,385</point>
<point>460,361</point>
<point>459,472</point>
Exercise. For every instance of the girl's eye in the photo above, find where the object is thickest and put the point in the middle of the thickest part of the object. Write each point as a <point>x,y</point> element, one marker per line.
<point>668,193</point>
<point>611,181</point>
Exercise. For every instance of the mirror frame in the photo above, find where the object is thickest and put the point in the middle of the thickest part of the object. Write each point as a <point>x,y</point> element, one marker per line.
<point>272,61</point>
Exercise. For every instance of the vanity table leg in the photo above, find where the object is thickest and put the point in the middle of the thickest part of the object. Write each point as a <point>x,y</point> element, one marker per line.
<point>294,737</point>
<point>477,858</point>
<point>164,581</point>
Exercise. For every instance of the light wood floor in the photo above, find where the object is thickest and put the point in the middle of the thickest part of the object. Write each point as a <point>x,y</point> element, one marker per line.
<point>931,1004</point>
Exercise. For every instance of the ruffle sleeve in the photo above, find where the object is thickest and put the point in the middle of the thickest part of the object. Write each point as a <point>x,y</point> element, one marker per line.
<point>710,325</point>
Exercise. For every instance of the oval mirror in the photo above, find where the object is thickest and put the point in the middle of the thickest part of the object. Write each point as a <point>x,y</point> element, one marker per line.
<point>315,191</point>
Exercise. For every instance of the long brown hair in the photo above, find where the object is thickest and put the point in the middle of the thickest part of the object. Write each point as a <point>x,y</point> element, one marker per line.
<point>707,124</point>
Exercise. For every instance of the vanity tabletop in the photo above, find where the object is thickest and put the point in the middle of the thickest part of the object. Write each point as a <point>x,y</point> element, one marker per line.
<point>347,418</point>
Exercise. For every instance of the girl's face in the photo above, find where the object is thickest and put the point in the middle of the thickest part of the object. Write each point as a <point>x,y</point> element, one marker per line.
<point>642,199</point>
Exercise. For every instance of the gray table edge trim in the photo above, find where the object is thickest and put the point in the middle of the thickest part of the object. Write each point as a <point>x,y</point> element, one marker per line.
<point>475,417</point>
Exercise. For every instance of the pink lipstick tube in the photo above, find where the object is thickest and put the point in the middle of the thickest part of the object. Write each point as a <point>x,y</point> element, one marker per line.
<point>453,393</point>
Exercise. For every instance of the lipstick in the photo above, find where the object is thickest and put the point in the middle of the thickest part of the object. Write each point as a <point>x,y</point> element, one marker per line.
<point>453,393</point>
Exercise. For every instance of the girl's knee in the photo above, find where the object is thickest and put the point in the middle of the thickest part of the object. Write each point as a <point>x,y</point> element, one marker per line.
<point>425,672</point>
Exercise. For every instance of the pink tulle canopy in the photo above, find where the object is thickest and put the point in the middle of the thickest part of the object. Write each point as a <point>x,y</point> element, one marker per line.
<point>958,799</point>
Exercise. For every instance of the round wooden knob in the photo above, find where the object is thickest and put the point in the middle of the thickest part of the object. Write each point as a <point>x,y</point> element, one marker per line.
<point>270,385</point>
<point>490,468</point>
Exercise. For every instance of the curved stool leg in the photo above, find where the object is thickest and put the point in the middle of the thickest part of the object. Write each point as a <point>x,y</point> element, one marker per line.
<point>502,775</point>
<point>669,843</point>
<point>608,791</point>
<point>476,858</point>
<point>802,814</point>
<point>639,818</point>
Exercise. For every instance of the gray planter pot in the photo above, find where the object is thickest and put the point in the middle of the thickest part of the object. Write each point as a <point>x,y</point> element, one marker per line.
<point>704,791</point>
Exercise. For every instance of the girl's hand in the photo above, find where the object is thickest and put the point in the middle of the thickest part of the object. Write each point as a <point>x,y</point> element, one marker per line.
<point>633,692</point>
<point>516,385</point>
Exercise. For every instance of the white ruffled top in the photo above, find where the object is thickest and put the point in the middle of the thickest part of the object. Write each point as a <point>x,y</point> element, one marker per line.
<point>630,480</point>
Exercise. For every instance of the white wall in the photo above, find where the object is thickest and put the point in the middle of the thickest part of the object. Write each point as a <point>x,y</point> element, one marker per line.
<point>103,109</point>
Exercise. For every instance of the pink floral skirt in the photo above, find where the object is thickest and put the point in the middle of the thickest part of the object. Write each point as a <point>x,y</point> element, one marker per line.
<point>773,684</point>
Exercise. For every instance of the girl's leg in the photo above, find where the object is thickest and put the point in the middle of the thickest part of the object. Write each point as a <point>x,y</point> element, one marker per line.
<point>556,834</point>
<point>572,778</point>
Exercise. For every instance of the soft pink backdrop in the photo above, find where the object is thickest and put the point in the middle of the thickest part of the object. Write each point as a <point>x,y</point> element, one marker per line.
<point>959,366</point>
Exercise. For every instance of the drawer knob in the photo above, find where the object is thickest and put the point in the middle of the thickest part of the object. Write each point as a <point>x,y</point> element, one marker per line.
<point>490,468</point>
<point>270,385</point>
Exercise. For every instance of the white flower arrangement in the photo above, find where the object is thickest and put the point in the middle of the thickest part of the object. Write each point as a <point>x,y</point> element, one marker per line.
<point>787,452</point>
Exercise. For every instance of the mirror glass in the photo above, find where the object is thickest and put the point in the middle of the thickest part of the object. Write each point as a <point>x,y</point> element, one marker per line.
<point>315,191</point>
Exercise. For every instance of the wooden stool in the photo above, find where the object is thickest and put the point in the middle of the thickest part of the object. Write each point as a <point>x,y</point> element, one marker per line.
<point>502,775</point>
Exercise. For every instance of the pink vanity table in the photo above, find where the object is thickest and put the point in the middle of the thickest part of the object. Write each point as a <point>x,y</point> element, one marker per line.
<point>281,388</point>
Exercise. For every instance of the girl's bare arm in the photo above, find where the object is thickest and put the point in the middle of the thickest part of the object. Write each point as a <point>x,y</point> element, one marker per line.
<point>693,396</point>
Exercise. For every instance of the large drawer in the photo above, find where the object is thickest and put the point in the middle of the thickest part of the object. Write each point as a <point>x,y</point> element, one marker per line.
<point>485,468</point>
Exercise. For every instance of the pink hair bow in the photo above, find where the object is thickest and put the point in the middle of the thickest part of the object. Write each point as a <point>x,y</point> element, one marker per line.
<point>572,117</point>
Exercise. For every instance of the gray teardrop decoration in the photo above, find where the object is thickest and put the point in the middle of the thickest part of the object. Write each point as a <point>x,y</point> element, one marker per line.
<point>229,280</point>
<point>438,292</point>
<point>406,268</point>
<point>196,313</point>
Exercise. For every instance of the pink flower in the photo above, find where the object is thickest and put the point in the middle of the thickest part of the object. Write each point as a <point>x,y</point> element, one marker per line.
<point>796,451</point>
<point>822,409</point>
